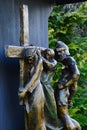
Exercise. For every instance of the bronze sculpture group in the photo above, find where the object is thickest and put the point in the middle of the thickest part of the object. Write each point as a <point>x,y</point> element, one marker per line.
<point>37,95</point>
<point>44,107</point>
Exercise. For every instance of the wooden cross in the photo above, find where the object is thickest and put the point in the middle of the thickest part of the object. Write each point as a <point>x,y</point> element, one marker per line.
<point>18,51</point>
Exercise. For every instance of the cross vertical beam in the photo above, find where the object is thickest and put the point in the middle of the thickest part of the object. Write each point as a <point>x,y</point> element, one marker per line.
<point>24,25</point>
<point>24,38</point>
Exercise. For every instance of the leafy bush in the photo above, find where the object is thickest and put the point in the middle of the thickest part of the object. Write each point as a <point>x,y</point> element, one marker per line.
<point>64,26</point>
<point>70,27</point>
<point>79,110</point>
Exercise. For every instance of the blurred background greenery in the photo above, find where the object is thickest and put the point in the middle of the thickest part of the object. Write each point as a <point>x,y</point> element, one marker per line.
<point>68,23</point>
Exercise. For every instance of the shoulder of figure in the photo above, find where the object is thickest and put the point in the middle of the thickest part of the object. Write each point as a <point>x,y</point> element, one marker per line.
<point>70,60</point>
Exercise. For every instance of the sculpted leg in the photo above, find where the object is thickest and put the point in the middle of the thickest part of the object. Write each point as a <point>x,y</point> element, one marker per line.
<point>65,118</point>
<point>72,91</point>
<point>77,125</point>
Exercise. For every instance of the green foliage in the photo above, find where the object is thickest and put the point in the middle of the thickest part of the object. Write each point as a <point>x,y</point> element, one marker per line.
<point>70,28</point>
<point>79,111</point>
<point>62,26</point>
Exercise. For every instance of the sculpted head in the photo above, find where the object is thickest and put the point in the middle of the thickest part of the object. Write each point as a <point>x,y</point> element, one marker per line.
<point>61,50</point>
<point>30,55</point>
<point>49,53</point>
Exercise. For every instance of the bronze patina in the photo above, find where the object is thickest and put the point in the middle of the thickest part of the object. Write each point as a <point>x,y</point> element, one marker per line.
<point>66,86</point>
<point>43,110</point>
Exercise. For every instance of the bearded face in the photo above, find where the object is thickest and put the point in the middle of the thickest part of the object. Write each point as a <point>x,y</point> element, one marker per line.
<point>60,54</point>
<point>31,59</point>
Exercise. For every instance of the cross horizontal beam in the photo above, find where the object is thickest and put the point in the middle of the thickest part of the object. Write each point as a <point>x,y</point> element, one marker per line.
<point>14,51</point>
<point>19,51</point>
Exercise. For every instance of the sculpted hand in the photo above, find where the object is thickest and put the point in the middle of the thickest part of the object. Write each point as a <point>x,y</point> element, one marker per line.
<point>22,93</point>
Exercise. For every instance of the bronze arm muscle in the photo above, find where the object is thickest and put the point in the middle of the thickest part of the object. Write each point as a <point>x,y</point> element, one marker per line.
<point>31,85</point>
<point>48,64</point>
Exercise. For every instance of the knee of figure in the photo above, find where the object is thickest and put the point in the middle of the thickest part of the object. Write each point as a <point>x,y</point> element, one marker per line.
<point>68,124</point>
<point>70,127</point>
<point>76,124</point>
<point>78,128</point>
